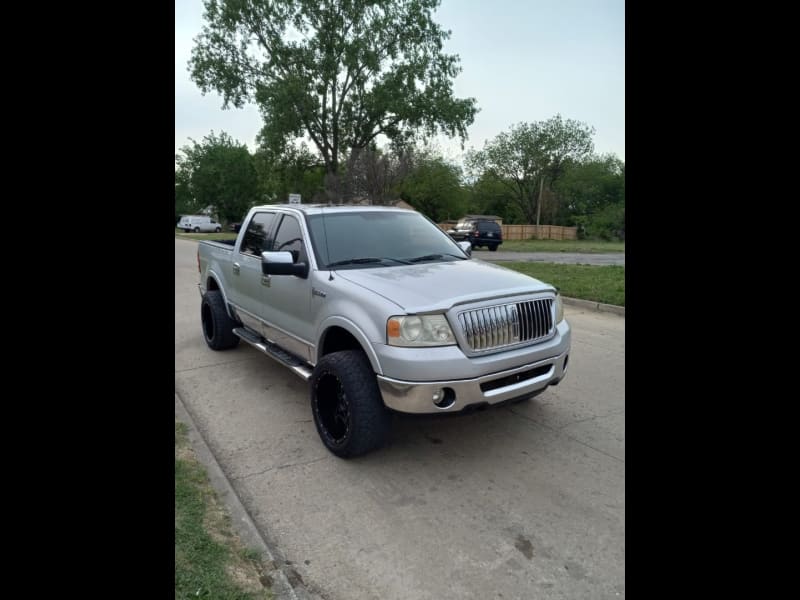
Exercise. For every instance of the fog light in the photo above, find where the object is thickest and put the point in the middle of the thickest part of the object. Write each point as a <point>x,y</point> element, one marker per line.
<point>444,398</point>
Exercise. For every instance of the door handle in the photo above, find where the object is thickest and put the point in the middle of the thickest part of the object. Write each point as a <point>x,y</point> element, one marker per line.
<point>266,280</point>
<point>236,268</point>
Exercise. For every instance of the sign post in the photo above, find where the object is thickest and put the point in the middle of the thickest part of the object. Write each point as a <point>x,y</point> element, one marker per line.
<point>294,199</point>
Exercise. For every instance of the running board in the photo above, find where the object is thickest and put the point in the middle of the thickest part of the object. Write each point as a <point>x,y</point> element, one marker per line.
<point>297,366</point>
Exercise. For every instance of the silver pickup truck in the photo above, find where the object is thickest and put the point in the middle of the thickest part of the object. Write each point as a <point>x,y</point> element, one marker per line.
<point>380,311</point>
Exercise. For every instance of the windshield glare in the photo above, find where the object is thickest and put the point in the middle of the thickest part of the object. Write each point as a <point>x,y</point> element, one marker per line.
<point>392,236</point>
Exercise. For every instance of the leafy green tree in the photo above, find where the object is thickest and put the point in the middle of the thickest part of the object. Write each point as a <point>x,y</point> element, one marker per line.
<point>341,71</point>
<point>217,172</point>
<point>488,196</point>
<point>593,192</point>
<point>292,170</point>
<point>433,187</point>
<point>185,204</point>
<point>531,156</point>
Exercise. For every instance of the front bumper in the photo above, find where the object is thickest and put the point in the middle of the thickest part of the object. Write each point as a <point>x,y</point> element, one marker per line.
<point>456,395</point>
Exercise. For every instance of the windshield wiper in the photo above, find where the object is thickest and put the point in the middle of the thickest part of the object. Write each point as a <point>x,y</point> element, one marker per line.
<point>434,257</point>
<point>363,261</point>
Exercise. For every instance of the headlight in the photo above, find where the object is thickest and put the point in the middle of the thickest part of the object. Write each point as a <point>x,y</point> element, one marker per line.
<point>559,309</point>
<point>423,330</point>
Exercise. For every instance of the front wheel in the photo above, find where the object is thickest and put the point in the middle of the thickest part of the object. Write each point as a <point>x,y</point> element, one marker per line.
<point>346,404</point>
<point>197,230</point>
<point>218,229</point>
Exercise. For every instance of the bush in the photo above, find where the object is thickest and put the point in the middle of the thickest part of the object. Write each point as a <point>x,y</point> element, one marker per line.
<point>606,224</point>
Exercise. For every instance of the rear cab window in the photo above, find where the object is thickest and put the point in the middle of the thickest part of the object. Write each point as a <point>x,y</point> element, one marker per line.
<point>256,238</point>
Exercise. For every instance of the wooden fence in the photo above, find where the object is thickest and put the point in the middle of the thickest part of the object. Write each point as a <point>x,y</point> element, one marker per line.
<point>526,232</point>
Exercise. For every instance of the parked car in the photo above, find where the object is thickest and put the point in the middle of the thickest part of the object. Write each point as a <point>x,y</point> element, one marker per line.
<point>478,232</point>
<point>235,227</point>
<point>198,224</point>
<point>380,312</point>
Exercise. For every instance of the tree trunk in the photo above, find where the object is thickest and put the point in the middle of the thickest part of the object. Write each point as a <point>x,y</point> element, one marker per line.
<point>333,188</point>
<point>349,188</point>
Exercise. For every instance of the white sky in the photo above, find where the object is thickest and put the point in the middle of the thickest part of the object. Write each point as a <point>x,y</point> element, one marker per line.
<point>523,60</point>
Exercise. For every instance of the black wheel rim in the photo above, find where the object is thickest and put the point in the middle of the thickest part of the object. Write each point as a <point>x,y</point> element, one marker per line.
<point>332,408</point>
<point>208,322</point>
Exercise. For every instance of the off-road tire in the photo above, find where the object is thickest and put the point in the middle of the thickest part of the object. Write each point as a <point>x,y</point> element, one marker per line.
<point>346,404</point>
<point>217,324</point>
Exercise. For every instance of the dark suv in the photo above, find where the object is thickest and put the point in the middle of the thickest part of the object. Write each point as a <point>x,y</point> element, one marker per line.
<point>478,232</point>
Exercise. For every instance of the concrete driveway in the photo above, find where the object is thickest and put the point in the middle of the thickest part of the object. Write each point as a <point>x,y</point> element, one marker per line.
<point>521,502</point>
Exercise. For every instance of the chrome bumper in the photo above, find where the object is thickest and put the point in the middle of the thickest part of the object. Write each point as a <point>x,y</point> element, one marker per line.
<point>418,397</point>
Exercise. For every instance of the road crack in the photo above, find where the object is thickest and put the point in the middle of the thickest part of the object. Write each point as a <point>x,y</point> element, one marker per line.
<point>286,466</point>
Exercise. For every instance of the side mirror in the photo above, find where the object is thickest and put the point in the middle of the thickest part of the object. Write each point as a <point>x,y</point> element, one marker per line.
<point>466,247</point>
<point>280,263</point>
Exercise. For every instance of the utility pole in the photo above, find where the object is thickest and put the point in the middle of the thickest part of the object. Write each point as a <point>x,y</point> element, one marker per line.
<point>539,204</point>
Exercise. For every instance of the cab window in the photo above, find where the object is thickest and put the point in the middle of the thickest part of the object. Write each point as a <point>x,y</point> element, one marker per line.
<point>255,237</point>
<point>290,239</point>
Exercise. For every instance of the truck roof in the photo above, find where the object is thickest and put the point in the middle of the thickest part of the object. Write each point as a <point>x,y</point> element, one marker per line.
<point>315,209</point>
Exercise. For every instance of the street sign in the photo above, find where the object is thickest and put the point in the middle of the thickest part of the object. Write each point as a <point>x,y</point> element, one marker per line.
<point>294,199</point>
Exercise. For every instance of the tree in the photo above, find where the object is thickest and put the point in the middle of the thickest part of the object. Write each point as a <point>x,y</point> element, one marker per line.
<point>530,156</point>
<point>433,187</point>
<point>488,196</point>
<point>185,204</point>
<point>217,172</point>
<point>341,71</point>
<point>593,192</point>
<point>292,170</point>
<point>376,174</point>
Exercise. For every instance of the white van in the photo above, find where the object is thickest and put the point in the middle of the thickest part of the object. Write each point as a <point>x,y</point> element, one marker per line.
<point>198,223</point>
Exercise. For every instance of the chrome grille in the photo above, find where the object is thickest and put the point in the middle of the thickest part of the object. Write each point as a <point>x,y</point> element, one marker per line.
<point>507,324</point>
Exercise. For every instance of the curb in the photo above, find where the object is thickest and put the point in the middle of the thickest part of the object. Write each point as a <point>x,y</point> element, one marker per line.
<point>251,537</point>
<point>596,306</point>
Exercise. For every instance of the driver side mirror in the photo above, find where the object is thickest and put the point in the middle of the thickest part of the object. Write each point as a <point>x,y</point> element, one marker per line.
<point>466,247</point>
<point>282,263</point>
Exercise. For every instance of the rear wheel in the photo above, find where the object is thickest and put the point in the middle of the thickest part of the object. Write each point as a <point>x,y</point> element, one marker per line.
<point>346,404</point>
<point>217,324</point>
<point>493,247</point>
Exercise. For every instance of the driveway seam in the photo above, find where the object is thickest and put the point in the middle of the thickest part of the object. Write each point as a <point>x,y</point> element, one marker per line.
<point>230,362</point>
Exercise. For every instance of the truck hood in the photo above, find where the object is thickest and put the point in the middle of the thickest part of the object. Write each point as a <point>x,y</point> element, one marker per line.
<point>441,285</point>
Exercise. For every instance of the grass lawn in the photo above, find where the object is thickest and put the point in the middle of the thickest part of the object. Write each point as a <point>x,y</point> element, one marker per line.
<point>223,235</point>
<point>590,282</point>
<point>210,561</point>
<point>587,246</point>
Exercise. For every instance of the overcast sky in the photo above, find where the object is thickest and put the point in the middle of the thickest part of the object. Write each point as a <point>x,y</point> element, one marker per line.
<point>523,60</point>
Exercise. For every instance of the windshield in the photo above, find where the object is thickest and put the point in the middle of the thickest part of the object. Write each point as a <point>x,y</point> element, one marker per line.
<point>378,239</point>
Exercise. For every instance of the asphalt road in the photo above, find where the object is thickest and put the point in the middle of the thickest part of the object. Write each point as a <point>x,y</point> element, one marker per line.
<point>518,502</point>
<point>572,258</point>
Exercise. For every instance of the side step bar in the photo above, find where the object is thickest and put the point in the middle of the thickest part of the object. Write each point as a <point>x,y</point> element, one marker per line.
<point>297,366</point>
